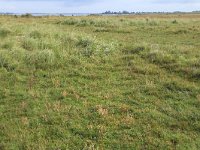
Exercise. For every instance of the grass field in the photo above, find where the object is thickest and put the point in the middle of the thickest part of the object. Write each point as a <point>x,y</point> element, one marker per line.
<point>128,82</point>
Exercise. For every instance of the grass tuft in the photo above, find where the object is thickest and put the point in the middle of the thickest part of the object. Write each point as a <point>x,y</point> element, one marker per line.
<point>4,32</point>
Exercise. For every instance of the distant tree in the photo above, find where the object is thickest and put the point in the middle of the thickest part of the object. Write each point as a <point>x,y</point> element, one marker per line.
<point>125,12</point>
<point>27,15</point>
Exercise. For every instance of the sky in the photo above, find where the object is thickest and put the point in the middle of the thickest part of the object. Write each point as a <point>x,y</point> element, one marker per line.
<point>96,6</point>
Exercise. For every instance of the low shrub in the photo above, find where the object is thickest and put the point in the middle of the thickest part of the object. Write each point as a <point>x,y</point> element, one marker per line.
<point>27,15</point>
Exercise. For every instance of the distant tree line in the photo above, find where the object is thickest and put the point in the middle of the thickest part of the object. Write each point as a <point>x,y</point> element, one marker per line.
<point>119,12</point>
<point>127,12</point>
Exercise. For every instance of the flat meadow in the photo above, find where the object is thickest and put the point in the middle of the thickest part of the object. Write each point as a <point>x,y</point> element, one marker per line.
<point>100,82</point>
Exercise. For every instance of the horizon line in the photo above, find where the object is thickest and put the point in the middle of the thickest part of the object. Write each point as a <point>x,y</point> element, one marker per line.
<point>98,12</point>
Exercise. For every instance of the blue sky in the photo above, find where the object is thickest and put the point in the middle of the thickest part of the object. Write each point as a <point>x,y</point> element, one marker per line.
<point>95,6</point>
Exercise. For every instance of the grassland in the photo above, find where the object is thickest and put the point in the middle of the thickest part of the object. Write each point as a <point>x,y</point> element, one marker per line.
<point>128,82</point>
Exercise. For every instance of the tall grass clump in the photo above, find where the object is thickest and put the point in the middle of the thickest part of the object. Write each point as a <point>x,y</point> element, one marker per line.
<point>174,22</point>
<point>86,22</point>
<point>152,23</point>
<point>10,60</point>
<point>67,43</point>
<point>29,44</point>
<point>85,41</point>
<point>4,58</point>
<point>92,47</point>
<point>136,49</point>
<point>102,23</point>
<point>84,45</point>
<point>40,59</point>
<point>43,44</point>
<point>35,34</point>
<point>70,22</point>
<point>8,45</point>
<point>4,32</point>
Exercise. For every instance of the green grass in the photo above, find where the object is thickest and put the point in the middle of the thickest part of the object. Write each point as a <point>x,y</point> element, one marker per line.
<point>129,82</point>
